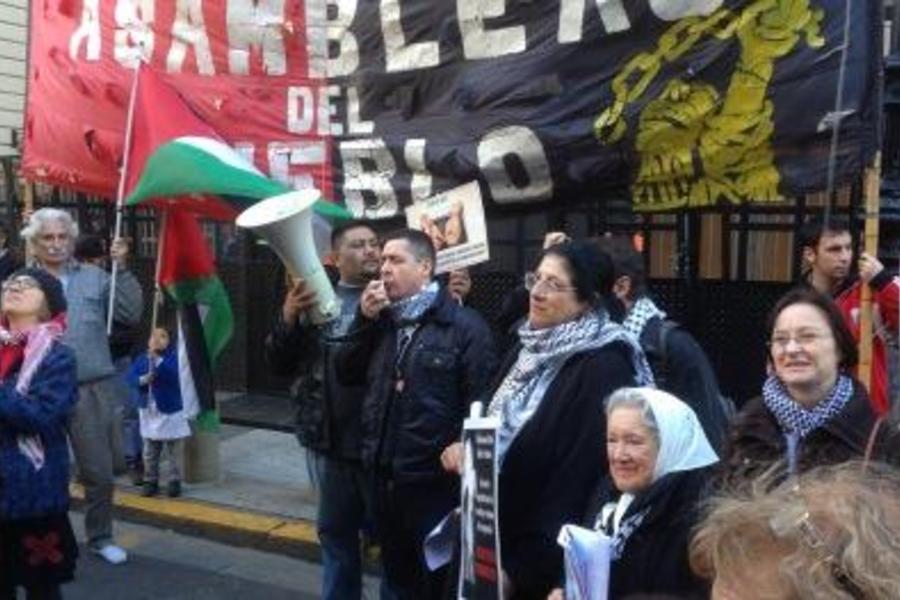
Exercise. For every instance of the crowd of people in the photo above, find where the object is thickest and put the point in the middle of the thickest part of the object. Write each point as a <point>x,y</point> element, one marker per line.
<point>610,417</point>
<point>595,359</point>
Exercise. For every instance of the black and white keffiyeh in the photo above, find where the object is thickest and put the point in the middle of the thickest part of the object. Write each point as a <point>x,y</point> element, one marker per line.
<point>410,310</point>
<point>642,311</point>
<point>794,418</point>
<point>543,353</point>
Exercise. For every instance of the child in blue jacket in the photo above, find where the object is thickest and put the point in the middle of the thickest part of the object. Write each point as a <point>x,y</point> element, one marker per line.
<point>164,420</point>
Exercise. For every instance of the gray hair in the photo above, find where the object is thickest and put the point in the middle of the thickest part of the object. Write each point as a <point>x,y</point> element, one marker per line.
<point>41,217</point>
<point>833,533</point>
<point>633,397</point>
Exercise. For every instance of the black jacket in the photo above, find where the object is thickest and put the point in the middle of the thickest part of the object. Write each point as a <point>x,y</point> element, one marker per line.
<point>328,412</point>
<point>449,364</point>
<point>756,441</point>
<point>553,464</point>
<point>682,369</point>
<point>654,560</point>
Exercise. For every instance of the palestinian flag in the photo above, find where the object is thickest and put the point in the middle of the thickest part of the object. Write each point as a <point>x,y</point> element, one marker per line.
<point>176,157</point>
<point>187,273</point>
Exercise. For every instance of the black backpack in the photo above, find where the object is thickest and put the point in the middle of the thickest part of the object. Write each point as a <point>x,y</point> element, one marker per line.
<point>655,342</point>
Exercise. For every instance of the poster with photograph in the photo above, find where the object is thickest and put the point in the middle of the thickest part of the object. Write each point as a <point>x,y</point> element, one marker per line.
<point>454,220</point>
<point>479,573</point>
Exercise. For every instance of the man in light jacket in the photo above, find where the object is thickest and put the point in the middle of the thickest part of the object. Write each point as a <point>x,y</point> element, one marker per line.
<point>95,429</point>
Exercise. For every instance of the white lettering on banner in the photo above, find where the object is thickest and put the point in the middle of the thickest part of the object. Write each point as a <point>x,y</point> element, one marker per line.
<point>247,150</point>
<point>322,30</point>
<point>133,38</point>
<point>672,10</point>
<point>355,155</point>
<point>327,110</point>
<point>316,38</point>
<point>414,154</point>
<point>256,24</point>
<point>88,32</point>
<point>522,143</point>
<point>301,109</point>
<point>284,155</point>
<point>480,43</point>
<point>355,124</point>
<point>189,30</point>
<point>571,18</point>
<point>400,56</point>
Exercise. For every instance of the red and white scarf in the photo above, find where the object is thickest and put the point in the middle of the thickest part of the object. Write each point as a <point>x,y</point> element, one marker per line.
<point>24,351</point>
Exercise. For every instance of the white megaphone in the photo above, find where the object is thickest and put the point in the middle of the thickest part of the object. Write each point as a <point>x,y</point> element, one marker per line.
<point>285,222</point>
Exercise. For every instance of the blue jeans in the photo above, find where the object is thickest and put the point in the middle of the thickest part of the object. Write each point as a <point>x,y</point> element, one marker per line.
<point>345,509</point>
<point>131,426</point>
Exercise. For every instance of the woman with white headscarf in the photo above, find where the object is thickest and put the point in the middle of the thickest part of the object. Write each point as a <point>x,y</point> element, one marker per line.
<point>660,463</point>
<point>571,355</point>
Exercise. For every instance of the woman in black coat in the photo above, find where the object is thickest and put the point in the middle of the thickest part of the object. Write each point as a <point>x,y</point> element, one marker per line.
<point>549,402</point>
<point>812,410</point>
<point>660,463</point>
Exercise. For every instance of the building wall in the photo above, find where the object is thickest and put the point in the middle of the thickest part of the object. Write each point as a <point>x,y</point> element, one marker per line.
<point>13,53</point>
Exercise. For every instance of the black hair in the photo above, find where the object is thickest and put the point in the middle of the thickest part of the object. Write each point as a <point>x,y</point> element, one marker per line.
<point>419,243</point>
<point>843,339</point>
<point>337,233</point>
<point>626,261</point>
<point>812,230</point>
<point>54,296</point>
<point>88,247</point>
<point>591,272</point>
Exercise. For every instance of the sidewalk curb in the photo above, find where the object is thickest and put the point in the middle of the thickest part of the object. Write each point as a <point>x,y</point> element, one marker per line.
<point>270,533</point>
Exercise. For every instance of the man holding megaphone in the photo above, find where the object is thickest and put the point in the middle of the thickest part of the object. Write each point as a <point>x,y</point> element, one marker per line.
<point>328,412</point>
<point>424,359</point>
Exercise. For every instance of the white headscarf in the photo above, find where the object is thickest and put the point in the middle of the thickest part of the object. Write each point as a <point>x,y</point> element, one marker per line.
<point>683,445</point>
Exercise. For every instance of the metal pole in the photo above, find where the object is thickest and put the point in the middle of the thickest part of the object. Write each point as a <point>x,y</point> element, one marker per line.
<point>120,193</point>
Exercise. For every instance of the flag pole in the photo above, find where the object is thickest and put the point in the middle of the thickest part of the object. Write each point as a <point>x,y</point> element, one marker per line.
<point>870,245</point>
<point>157,291</point>
<point>120,194</point>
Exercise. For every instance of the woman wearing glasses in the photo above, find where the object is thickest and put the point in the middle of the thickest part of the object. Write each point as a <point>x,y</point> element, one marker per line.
<point>570,357</point>
<point>37,394</point>
<point>812,410</point>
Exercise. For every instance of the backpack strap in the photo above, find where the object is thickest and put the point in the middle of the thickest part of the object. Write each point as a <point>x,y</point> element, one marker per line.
<point>656,346</point>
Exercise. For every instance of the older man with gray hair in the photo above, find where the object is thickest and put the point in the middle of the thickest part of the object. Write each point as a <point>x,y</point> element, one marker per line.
<point>95,429</point>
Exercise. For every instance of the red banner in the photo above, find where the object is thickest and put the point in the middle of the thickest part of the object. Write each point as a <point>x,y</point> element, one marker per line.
<point>240,66</point>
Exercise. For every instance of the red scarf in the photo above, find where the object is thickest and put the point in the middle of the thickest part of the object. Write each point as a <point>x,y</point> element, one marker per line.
<point>14,343</point>
<point>12,353</point>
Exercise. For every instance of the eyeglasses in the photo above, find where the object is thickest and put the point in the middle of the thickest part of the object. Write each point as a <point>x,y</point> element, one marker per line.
<point>23,282</point>
<point>794,520</point>
<point>804,339</point>
<point>533,282</point>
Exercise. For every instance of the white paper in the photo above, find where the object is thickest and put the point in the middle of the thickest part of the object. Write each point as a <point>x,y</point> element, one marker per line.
<point>440,542</point>
<point>587,557</point>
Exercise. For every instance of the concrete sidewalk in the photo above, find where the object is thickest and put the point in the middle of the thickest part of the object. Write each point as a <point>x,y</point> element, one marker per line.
<point>264,500</point>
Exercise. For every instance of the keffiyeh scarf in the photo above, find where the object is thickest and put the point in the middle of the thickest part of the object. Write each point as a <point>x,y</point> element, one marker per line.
<point>642,311</point>
<point>543,353</point>
<point>409,310</point>
<point>794,418</point>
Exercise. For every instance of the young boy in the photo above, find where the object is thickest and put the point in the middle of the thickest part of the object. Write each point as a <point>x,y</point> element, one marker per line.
<point>164,421</point>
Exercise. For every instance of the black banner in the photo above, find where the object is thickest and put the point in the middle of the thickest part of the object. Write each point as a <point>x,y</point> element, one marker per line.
<point>674,103</point>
